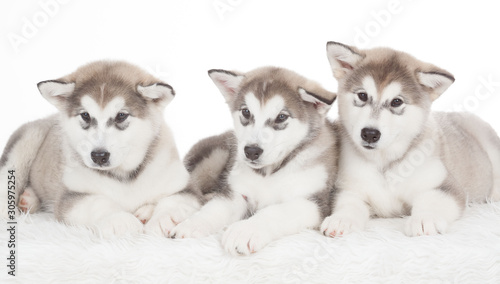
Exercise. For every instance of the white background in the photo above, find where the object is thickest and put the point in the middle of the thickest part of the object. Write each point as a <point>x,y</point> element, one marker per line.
<point>179,41</point>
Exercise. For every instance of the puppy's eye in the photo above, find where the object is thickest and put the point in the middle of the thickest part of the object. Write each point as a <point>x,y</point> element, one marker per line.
<point>363,96</point>
<point>246,113</point>
<point>396,102</point>
<point>85,116</point>
<point>121,117</point>
<point>282,117</point>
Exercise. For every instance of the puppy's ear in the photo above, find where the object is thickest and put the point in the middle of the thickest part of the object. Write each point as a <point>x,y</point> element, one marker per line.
<point>435,81</point>
<point>343,59</point>
<point>229,83</point>
<point>321,99</point>
<point>160,93</point>
<point>56,92</point>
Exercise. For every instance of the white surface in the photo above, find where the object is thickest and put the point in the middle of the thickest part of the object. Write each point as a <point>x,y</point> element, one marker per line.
<point>470,253</point>
<point>179,41</point>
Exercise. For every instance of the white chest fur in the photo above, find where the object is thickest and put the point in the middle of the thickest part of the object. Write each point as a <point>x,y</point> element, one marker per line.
<point>388,190</point>
<point>162,176</point>
<point>289,183</point>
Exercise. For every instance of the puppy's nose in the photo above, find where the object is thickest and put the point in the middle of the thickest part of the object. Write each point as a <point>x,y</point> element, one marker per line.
<point>253,152</point>
<point>370,135</point>
<point>100,157</point>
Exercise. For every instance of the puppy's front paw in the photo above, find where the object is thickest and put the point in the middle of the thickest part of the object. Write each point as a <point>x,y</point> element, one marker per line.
<point>169,213</point>
<point>245,237</point>
<point>420,226</point>
<point>338,225</point>
<point>191,228</point>
<point>144,213</point>
<point>160,226</point>
<point>119,224</point>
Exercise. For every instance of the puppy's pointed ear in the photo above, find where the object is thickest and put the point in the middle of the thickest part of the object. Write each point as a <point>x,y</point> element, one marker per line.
<point>343,59</point>
<point>435,81</point>
<point>159,93</point>
<point>56,92</point>
<point>229,83</point>
<point>321,99</point>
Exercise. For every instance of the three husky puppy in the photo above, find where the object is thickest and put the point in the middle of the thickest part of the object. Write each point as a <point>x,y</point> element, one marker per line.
<point>108,160</point>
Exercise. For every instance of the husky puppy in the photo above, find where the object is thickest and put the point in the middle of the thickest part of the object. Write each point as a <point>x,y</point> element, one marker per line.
<point>106,154</point>
<point>274,173</point>
<point>399,158</point>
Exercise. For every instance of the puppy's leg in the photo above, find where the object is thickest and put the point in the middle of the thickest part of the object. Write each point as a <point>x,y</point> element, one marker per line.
<point>170,211</point>
<point>270,223</point>
<point>432,213</point>
<point>28,201</point>
<point>17,158</point>
<point>212,217</point>
<point>96,212</point>
<point>350,213</point>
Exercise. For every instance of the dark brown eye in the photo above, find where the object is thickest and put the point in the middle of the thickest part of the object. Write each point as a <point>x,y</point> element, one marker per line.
<point>85,116</point>
<point>121,117</point>
<point>363,96</point>
<point>246,113</point>
<point>396,102</point>
<point>282,117</point>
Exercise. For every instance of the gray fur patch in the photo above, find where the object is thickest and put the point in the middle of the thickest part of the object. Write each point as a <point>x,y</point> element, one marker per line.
<point>208,174</point>
<point>324,201</point>
<point>397,111</point>
<point>122,126</point>
<point>14,138</point>
<point>67,200</point>
<point>246,122</point>
<point>276,126</point>
<point>110,122</point>
<point>261,172</point>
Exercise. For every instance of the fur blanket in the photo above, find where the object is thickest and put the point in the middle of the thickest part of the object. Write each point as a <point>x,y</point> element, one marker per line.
<point>49,252</point>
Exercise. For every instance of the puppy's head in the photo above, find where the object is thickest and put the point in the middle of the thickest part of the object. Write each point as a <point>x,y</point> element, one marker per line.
<point>274,111</point>
<point>110,112</point>
<point>384,95</point>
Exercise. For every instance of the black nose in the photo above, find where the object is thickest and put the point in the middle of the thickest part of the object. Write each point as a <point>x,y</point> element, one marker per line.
<point>100,157</point>
<point>253,152</point>
<point>370,135</point>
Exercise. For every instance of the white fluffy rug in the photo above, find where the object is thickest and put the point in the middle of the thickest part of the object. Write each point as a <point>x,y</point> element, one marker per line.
<point>50,252</point>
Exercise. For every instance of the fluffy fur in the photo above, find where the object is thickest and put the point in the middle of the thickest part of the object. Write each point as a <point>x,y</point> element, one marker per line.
<point>399,158</point>
<point>468,253</point>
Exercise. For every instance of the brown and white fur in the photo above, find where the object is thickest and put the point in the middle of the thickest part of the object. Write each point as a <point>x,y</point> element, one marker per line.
<point>272,175</point>
<point>107,155</point>
<point>399,158</point>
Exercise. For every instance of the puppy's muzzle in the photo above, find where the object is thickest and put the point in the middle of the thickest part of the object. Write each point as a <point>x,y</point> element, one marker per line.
<point>370,135</point>
<point>253,152</point>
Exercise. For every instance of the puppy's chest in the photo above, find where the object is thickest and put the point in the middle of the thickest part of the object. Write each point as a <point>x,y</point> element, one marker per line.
<point>264,190</point>
<point>146,188</point>
<point>392,191</point>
